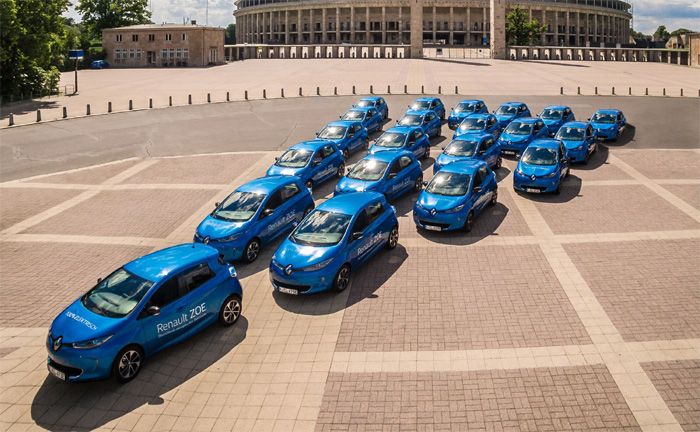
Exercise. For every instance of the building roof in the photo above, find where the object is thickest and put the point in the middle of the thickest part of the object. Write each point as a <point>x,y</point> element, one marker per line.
<point>164,26</point>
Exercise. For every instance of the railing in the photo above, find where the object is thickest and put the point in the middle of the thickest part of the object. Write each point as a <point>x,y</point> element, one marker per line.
<point>657,55</point>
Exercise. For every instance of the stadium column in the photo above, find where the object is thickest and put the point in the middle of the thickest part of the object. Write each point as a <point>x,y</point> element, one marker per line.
<point>286,26</point>
<point>498,29</point>
<point>416,28</point>
<point>324,23</point>
<point>451,27</point>
<point>352,25</point>
<point>337,25</point>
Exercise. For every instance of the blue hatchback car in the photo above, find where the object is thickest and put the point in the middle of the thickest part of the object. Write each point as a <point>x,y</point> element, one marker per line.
<point>253,215</point>
<point>478,124</point>
<point>333,241</point>
<point>145,306</point>
<point>470,147</point>
<point>349,136</point>
<point>428,121</point>
<point>520,133</point>
<point>313,161</point>
<point>608,124</point>
<point>579,139</point>
<point>510,111</point>
<point>429,104</point>
<point>377,102</point>
<point>554,116</point>
<point>370,118</point>
<point>542,167</point>
<point>465,108</point>
<point>455,196</point>
<point>392,173</point>
<point>403,138</point>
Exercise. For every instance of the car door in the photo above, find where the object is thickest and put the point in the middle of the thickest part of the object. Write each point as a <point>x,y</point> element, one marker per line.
<point>590,138</point>
<point>492,126</point>
<point>162,329</point>
<point>270,215</point>
<point>352,137</point>
<point>484,150</point>
<point>392,179</point>
<point>327,167</point>
<point>197,286</point>
<point>359,242</point>
<point>539,130</point>
<point>412,143</point>
<point>479,189</point>
<point>373,119</point>
<point>561,155</point>
<point>568,115</point>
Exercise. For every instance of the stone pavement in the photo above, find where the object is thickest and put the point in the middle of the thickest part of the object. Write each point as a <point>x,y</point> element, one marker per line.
<point>569,312</point>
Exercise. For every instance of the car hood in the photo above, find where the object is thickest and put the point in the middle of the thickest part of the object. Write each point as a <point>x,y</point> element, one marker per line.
<point>76,324</point>
<point>460,115</point>
<point>444,159</point>
<point>376,149</point>
<point>439,202</point>
<point>278,170</point>
<point>571,144</point>
<point>504,118</point>
<point>604,126</point>
<point>347,184</point>
<point>538,170</point>
<point>514,138</point>
<point>300,256</point>
<point>460,132</point>
<point>552,122</point>
<point>217,228</point>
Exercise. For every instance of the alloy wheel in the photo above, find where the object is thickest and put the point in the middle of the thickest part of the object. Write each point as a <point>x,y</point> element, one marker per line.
<point>232,310</point>
<point>252,251</point>
<point>342,280</point>
<point>129,364</point>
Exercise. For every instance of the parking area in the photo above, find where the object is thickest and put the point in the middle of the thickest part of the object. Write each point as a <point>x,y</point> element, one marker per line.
<point>569,312</point>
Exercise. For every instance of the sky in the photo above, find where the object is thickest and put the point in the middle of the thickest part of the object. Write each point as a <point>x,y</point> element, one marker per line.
<point>648,14</point>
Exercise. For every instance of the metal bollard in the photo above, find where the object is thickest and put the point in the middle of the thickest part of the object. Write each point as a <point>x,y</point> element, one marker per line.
<point>578,90</point>
<point>371,89</point>
<point>264,94</point>
<point>335,91</point>
<point>388,89</point>
<point>613,90</point>
<point>646,92</point>
<point>422,89</point>
<point>38,115</point>
<point>12,120</point>
<point>629,91</point>
<point>87,109</point>
<point>681,92</point>
<point>208,97</point>
<point>150,102</point>
<point>228,97</point>
<point>282,93</point>
<point>439,89</point>
<point>189,99</point>
<point>300,92</point>
<point>170,101</point>
<point>245,95</point>
<point>405,89</point>
<point>596,89</point>
<point>353,90</point>
<point>109,107</point>
<point>664,91</point>
<point>65,112</point>
<point>131,104</point>
<point>561,90</point>
<point>456,90</point>
<point>318,91</point>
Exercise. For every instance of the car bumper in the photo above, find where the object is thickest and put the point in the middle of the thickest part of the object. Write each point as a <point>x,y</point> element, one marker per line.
<point>538,185</point>
<point>439,221</point>
<point>578,155</point>
<point>81,365</point>
<point>512,149</point>
<point>301,282</point>
<point>232,251</point>
<point>606,134</point>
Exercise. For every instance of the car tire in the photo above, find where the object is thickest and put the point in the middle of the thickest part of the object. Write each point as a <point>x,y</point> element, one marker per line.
<point>499,162</point>
<point>418,186</point>
<point>557,191</point>
<point>251,251</point>
<point>309,184</point>
<point>341,170</point>
<point>469,223</point>
<point>127,363</point>
<point>231,309</point>
<point>342,279</point>
<point>494,198</point>
<point>346,153</point>
<point>426,153</point>
<point>393,238</point>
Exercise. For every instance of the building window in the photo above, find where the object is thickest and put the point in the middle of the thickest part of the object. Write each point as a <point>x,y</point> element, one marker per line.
<point>119,38</point>
<point>184,36</point>
<point>151,37</point>
<point>138,54</point>
<point>134,38</point>
<point>168,37</point>
<point>185,53</point>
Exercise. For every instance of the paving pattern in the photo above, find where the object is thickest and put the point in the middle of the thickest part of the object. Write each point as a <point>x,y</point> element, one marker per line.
<point>576,312</point>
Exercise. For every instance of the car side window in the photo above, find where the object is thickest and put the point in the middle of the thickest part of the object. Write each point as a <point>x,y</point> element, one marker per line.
<point>433,104</point>
<point>274,201</point>
<point>561,153</point>
<point>395,167</point>
<point>492,121</point>
<point>327,151</point>
<point>361,222</point>
<point>418,135</point>
<point>589,130</point>
<point>412,137</point>
<point>567,111</point>
<point>166,294</point>
<point>404,161</point>
<point>521,108</point>
<point>374,210</point>
<point>194,278</point>
<point>380,101</point>
<point>485,145</point>
<point>478,178</point>
<point>289,191</point>
<point>483,174</point>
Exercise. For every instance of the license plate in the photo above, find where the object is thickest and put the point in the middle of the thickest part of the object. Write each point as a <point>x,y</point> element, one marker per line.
<point>57,373</point>
<point>433,228</point>
<point>509,152</point>
<point>288,291</point>
<point>532,190</point>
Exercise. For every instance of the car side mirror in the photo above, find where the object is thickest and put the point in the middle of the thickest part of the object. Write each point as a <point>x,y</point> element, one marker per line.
<point>315,162</point>
<point>153,310</point>
<point>277,158</point>
<point>267,212</point>
<point>99,280</point>
<point>481,152</point>
<point>589,119</point>
<point>392,175</point>
<point>477,189</point>
<point>217,204</point>
<point>356,236</point>
<point>442,148</point>
<point>318,133</point>
<point>425,183</point>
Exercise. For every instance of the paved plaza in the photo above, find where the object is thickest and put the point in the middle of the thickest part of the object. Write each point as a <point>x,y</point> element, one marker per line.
<point>570,312</point>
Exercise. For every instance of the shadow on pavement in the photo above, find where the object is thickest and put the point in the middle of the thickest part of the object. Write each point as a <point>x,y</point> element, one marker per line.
<point>456,61</point>
<point>484,225</point>
<point>570,189</point>
<point>624,139</point>
<point>61,406</point>
<point>20,108</point>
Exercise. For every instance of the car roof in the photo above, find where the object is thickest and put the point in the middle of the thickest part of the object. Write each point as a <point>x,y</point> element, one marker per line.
<point>559,107</point>
<point>266,184</point>
<point>388,155</point>
<point>344,123</point>
<point>312,145</point>
<point>350,203</point>
<point>371,98</point>
<point>468,166</point>
<point>577,124</point>
<point>470,101</point>
<point>527,120</point>
<point>402,129</point>
<point>477,137</point>
<point>363,109</point>
<point>609,111</point>
<point>478,115</point>
<point>546,143</point>
<point>513,103</point>
<point>419,112</point>
<point>426,99</point>
<point>161,264</point>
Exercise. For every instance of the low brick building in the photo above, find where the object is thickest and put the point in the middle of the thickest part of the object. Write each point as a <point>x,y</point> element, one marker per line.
<point>163,45</point>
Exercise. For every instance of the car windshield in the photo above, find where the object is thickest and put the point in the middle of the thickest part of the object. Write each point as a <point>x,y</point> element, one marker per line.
<point>321,228</point>
<point>116,295</point>
<point>539,156</point>
<point>332,132</point>
<point>239,206</point>
<point>465,107</point>
<point>391,139</point>
<point>294,158</point>
<point>477,123</point>
<point>518,128</point>
<point>570,133</point>
<point>603,118</point>
<point>411,120</point>
<point>354,115</point>
<point>365,104</point>
<point>368,170</point>
<point>506,110</point>
<point>551,114</point>
<point>461,148</point>
<point>448,183</point>
<point>420,105</point>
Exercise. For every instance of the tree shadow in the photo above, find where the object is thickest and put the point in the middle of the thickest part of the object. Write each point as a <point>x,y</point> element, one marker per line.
<point>485,225</point>
<point>61,406</point>
<point>25,107</point>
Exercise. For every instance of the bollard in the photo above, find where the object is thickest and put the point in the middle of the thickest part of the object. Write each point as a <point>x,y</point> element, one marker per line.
<point>131,105</point>
<point>422,89</point>
<point>681,92</point>
<point>456,90</point>
<point>318,91</point>
<point>613,90</point>
<point>208,97</point>
<point>170,101</point>
<point>38,115</point>
<point>646,92</point>
<point>245,95</point>
<point>87,109</point>
<point>150,102</point>
<point>664,91</point>
<point>578,90</point>
<point>264,94</point>
<point>371,89</point>
<point>561,90</point>
<point>353,89</point>
<point>439,89</point>
<point>282,93</point>
<point>335,91</point>
<point>12,120</point>
<point>388,89</point>
<point>109,107</point>
<point>65,112</point>
<point>629,91</point>
<point>405,89</point>
<point>596,90</point>
<point>228,96</point>
<point>300,93</point>
<point>189,99</point>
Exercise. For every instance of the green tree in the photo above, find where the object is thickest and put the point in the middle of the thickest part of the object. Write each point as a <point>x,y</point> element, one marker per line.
<point>661,33</point>
<point>520,29</point>
<point>680,31</point>
<point>230,34</point>
<point>32,46</point>
<point>101,14</point>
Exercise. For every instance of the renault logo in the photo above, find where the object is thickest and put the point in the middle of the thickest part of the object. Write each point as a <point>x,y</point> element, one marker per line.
<point>533,176</point>
<point>288,269</point>
<point>433,212</point>
<point>57,343</point>
<point>206,240</point>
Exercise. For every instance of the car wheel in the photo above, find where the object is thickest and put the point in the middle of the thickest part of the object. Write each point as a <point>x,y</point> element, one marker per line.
<point>469,223</point>
<point>557,191</point>
<point>309,184</point>
<point>230,311</point>
<point>308,210</point>
<point>494,198</point>
<point>127,364</point>
<point>341,170</point>
<point>346,153</point>
<point>426,153</point>
<point>419,184</point>
<point>251,251</point>
<point>365,146</point>
<point>499,162</point>
<point>393,238</point>
<point>342,278</point>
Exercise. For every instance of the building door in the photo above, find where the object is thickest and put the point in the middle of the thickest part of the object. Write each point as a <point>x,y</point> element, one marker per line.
<point>151,57</point>
<point>213,55</point>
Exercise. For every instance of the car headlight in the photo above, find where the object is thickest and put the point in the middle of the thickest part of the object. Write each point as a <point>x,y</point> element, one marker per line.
<point>317,266</point>
<point>231,238</point>
<point>550,175</point>
<point>419,205</point>
<point>92,343</point>
<point>275,263</point>
<point>579,147</point>
<point>519,171</point>
<point>455,209</point>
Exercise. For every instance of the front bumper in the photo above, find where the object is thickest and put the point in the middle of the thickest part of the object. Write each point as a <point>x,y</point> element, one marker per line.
<point>232,251</point>
<point>440,221</point>
<point>606,134</point>
<point>578,155</point>
<point>537,185</point>
<point>512,149</point>
<point>81,365</point>
<point>302,282</point>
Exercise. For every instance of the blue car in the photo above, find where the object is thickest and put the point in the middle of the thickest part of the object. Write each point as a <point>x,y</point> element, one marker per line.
<point>140,309</point>
<point>332,242</point>
<point>608,124</point>
<point>370,118</point>
<point>99,64</point>
<point>403,138</point>
<point>428,121</point>
<point>376,102</point>
<point>470,147</point>
<point>429,104</point>
<point>465,108</point>
<point>554,116</point>
<point>313,161</point>
<point>520,133</point>
<point>254,215</point>
<point>455,196</point>
<point>542,167</point>
<point>579,139</point>
<point>510,111</point>
<point>349,136</point>
<point>478,124</point>
<point>392,173</point>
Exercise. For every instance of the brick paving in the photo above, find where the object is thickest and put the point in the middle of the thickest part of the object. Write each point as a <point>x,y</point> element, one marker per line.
<point>661,164</point>
<point>21,203</point>
<point>91,176</point>
<point>679,384</point>
<point>688,193</point>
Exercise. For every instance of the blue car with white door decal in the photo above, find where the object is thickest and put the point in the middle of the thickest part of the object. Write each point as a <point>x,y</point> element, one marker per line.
<point>579,139</point>
<point>370,118</point>
<point>608,124</point>
<point>510,111</point>
<point>542,167</point>
<point>409,138</point>
<point>465,108</point>
<point>377,102</point>
<point>428,121</point>
<point>429,104</point>
<point>140,309</point>
<point>520,133</point>
<point>332,242</point>
<point>478,124</point>
<point>253,215</point>
<point>349,136</point>
<point>554,116</point>
<point>392,173</point>
<point>470,147</point>
<point>313,161</point>
<point>455,196</point>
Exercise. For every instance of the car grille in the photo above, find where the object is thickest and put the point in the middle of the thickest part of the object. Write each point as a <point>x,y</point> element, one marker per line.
<point>69,371</point>
<point>300,288</point>
<point>437,224</point>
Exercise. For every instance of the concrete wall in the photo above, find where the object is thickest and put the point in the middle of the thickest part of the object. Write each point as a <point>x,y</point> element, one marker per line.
<point>694,45</point>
